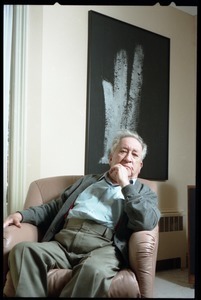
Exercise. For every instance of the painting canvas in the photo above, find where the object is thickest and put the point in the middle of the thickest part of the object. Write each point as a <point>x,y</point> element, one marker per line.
<point>127,87</point>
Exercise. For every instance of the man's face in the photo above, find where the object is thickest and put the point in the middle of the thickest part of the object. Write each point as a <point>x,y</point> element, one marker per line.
<point>129,154</point>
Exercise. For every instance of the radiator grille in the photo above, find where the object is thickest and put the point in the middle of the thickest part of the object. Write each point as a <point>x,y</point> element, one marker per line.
<point>172,237</point>
<point>171,223</point>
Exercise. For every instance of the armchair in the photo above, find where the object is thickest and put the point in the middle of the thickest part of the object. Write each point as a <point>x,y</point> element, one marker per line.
<point>135,282</point>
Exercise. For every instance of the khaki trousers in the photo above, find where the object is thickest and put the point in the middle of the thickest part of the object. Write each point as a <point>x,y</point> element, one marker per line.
<point>80,246</point>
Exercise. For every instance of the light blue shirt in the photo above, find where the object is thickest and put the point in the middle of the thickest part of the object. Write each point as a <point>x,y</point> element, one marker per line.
<point>102,202</point>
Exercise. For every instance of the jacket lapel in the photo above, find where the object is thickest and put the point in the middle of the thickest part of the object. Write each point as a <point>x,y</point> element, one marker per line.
<point>59,219</point>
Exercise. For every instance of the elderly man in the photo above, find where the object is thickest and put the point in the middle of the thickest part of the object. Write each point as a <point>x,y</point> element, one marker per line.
<point>87,227</point>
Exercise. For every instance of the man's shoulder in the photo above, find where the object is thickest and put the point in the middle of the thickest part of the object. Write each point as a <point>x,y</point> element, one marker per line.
<point>142,185</point>
<point>92,176</point>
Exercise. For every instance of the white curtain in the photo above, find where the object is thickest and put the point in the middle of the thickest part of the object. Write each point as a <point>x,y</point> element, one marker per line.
<point>14,59</point>
<point>7,44</point>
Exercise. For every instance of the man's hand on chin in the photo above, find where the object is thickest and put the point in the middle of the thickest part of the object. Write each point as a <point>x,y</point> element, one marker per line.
<point>119,174</point>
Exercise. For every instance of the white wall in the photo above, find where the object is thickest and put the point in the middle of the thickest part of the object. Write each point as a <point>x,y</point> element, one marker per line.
<point>56,93</point>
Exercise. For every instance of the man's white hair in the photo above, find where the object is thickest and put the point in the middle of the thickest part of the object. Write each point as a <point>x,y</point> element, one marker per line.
<point>127,133</point>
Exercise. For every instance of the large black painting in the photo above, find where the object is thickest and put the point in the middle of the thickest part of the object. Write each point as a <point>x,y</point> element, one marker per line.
<point>127,87</point>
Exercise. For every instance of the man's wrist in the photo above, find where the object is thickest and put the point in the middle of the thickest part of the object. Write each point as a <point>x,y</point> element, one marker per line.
<point>21,216</point>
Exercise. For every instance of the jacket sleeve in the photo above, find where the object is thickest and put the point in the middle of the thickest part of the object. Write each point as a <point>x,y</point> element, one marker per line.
<point>43,215</point>
<point>141,207</point>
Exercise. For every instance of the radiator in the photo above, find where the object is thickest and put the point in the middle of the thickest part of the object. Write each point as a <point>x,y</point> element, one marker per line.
<point>172,239</point>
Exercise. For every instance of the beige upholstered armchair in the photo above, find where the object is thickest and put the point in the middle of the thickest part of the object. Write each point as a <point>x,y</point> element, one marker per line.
<point>135,282</point>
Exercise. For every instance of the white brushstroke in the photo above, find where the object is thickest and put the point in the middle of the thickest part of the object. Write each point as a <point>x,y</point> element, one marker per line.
<point>131,111</point>
<point>121,107</point>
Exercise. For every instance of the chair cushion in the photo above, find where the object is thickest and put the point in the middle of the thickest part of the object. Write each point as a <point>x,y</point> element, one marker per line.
<point>124,284</point>
<point>57,279</point>
<point>8,290</point>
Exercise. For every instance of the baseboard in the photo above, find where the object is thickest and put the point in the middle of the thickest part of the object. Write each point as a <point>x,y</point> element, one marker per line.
<point>168,264</point>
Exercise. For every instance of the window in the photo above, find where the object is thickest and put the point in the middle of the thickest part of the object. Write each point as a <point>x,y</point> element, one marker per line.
<point>14,62</point>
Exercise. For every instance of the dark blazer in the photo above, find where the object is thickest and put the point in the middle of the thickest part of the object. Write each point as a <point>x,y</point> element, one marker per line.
<point>140,211</point>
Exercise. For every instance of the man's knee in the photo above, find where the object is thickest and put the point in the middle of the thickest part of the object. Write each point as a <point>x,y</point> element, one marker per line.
<point>19,248</point>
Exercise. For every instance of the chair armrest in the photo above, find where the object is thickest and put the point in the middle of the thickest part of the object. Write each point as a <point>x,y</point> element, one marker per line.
<point>143,248</point>
<point>13,235</point>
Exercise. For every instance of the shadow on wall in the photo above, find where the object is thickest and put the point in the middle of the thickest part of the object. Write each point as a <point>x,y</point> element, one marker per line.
<point>168,197</point>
